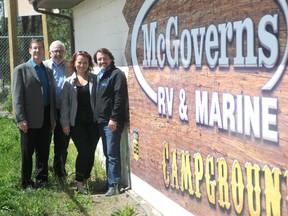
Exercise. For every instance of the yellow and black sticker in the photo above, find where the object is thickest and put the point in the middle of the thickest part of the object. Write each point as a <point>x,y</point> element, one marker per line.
<point>135,135</point>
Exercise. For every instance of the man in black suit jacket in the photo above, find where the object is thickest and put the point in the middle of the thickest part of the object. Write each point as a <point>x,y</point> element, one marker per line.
<point>34,103</point>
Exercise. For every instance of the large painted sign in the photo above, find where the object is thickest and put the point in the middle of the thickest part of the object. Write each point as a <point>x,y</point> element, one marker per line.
<point>208,103</point>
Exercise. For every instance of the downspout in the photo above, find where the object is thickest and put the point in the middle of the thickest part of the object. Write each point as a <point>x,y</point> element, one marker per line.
<point>72,40</point>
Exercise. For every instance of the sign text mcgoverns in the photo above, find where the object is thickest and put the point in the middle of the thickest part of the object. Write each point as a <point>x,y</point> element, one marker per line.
<point>222,81</point>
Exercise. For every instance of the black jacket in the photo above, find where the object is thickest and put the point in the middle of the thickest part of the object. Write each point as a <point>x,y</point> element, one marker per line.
<point>112,96</point>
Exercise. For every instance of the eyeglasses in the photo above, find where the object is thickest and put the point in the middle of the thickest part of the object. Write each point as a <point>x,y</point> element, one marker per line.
<point>57,51</point>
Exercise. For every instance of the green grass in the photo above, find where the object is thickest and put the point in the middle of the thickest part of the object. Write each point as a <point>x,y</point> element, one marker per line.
<point>57,200</point>
<point>127,211</point>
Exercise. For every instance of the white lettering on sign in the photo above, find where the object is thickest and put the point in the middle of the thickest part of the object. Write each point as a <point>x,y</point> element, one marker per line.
<point>188,45</point>
<point>193,42</point>
<point>251,116</point>
<point>164,95</point>
<point>259,118</point>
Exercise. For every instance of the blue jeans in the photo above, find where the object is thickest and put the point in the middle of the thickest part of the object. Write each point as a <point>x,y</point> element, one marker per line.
<point>111,148</point>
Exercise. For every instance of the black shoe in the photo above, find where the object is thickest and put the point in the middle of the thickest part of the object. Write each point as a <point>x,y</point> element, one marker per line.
<point>29,189</point>
<point>41,184</point>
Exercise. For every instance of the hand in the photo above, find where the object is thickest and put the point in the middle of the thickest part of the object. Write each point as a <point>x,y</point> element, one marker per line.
<point>66,130</point>
<point>23,125</point>
<point>112,125</point>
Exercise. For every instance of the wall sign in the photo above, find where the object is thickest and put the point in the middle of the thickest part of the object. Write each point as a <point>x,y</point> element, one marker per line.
<point>212,101</point>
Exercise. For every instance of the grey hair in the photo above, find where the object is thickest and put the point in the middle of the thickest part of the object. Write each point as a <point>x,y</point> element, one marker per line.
<point>57,43</point>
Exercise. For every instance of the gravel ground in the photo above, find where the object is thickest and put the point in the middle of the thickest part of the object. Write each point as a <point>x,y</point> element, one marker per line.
<point>105,206</point>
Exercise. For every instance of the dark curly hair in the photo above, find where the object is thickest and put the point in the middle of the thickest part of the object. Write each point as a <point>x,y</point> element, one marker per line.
<point>104,51</point>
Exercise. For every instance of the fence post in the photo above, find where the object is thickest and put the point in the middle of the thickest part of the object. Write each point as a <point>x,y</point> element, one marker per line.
<point>45,35</point>
<point>12,33</point>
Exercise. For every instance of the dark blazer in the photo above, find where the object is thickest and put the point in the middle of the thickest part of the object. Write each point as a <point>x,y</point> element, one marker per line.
<point>27,96</point>
<point>112,96</point>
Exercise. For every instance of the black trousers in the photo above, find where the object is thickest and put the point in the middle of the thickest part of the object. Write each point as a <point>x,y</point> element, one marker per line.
<point>61,143</point>
<point>36,140</point>
<point>85,137</point>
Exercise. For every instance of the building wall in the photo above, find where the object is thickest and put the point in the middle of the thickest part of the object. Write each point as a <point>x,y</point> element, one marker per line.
<point>101,24</point>
<point>207,96</point>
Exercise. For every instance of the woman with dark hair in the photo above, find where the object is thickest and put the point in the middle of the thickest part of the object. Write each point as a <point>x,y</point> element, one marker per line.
<point>78,114</point>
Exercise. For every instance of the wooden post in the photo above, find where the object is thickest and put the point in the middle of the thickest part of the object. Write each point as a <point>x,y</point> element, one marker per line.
<point>12,34</point>
<point>45,35</point>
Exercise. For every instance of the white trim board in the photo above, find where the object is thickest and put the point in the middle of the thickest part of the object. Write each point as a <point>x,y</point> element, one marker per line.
<point>159,201</point>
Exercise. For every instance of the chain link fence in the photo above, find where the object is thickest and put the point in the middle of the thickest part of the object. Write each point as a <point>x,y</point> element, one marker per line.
<point>5,72</point>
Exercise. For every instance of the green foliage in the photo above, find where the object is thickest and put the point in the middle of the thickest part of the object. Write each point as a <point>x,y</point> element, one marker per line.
<point>8,105</point>
<point>9,138</point>
<point>99,169</point>
<point>29,25</point>
<point>59,29</point>
<point>6,100</point>
<point>4,94</point>
<point>3,21</point>
<point>127,211</point>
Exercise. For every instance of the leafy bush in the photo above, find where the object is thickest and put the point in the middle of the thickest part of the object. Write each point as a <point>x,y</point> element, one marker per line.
<point>127,211</point>
<point>8,105</point>
<point>4,94</point>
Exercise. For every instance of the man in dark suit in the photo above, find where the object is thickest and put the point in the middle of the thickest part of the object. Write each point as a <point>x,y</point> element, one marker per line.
<point>34,103</point>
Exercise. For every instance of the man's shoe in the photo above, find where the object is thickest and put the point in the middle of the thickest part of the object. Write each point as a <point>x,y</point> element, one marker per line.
<point>61,180</point>
<point>111,191</point>
<point>80,188</point>
<point>42,184</point>
<point>29,189</point>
